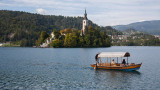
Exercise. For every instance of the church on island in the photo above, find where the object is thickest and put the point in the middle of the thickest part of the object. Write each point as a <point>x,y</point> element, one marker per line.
<point>84,23</point>
<point>52,38</point>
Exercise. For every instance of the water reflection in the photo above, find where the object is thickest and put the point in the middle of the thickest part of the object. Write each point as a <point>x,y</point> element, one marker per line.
<point>115,72</point>
<point>115,79</point>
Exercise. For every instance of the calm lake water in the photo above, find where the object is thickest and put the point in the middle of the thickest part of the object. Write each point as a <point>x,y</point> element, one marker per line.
<point>69,68</point>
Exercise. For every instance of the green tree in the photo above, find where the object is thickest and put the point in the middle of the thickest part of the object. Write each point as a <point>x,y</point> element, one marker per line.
<point>81,41</point>
<point>44,35</point>
<point>57,34</point>
<point>56,43</point>
<point>87,40</point>
<point>95,43</point>
<point>74,41</point>
<point>23,43</point>
<point>67,41</point>
<point>107,42</point>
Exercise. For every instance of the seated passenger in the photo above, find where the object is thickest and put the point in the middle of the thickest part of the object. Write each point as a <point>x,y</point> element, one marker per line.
<point>113,63</point>
<point>124,62</point>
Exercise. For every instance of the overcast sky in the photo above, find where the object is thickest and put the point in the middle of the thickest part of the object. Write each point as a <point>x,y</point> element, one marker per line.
<point>101,12</point>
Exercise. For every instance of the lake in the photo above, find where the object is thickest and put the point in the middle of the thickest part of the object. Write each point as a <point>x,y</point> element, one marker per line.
<point>69,68</point>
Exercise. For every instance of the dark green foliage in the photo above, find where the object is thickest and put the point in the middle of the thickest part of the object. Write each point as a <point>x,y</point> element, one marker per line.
<point>57,43</point>
<point>92,38</point>
<point>56,33</point>
<point>44,35</point>
<point>25,42</point>
<point>27,27</point>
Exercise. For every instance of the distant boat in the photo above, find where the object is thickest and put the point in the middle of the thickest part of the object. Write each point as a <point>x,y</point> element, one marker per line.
<point>125,66</point>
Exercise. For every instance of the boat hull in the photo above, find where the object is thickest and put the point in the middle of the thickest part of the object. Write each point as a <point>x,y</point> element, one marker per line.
<point>123,68</point>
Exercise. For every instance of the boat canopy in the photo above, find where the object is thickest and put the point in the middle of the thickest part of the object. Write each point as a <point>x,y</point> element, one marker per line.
<point>114,54</point>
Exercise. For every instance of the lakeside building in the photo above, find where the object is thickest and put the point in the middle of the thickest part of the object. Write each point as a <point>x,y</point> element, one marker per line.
<point>157,36</point>
<point>2,44</point>
<point>120,37</point>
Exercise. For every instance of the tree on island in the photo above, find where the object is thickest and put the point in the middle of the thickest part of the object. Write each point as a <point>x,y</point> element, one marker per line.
<point>44,35</point>
<point>70,38</point>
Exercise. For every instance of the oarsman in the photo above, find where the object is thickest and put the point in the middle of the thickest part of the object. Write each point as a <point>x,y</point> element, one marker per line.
<point>97,59</point>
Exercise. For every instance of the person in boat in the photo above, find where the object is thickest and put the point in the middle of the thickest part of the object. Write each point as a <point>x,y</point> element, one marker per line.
<point>124,62</point>
<point>113,62</point>
<point>96,58</point>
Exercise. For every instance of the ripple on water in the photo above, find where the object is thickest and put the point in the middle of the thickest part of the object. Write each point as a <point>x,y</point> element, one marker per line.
<point>39,69</point>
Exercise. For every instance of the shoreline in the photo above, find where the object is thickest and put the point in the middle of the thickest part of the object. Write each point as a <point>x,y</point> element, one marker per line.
<point>73,47</point>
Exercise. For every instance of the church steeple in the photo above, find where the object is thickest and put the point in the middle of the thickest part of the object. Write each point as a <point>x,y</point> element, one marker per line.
<point>85,23</point>
<point>85,15</point>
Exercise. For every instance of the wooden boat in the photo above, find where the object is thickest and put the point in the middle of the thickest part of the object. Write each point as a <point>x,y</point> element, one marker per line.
<point>115,66</point>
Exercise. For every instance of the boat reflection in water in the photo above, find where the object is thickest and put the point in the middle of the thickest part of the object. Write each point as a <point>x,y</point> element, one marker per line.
<point>115,79</point>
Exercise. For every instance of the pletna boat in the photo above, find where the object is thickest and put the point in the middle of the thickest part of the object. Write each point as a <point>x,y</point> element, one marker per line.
<point>123,65</point>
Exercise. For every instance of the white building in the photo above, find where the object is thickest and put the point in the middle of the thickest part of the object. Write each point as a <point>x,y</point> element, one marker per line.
<point>85,23</point>
<point>52,34</point>
<point>1,44</point>
<point>157,36</point>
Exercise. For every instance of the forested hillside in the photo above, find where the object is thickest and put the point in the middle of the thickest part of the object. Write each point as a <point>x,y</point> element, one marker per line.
<point>26,27</point>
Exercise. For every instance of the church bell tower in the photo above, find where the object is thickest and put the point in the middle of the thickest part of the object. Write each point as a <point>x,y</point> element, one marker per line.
<point>85,23</point>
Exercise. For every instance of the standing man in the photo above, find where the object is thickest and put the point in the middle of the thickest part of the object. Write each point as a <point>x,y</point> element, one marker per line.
<point>97,59</point>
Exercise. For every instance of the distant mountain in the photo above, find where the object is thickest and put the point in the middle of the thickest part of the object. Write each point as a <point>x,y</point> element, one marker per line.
<point>151,27</point>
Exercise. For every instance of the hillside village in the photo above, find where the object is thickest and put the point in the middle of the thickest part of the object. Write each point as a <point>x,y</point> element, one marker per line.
<point>132,37</point>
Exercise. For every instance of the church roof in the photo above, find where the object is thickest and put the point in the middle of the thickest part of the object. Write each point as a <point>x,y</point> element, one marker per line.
<point>85,15</point>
